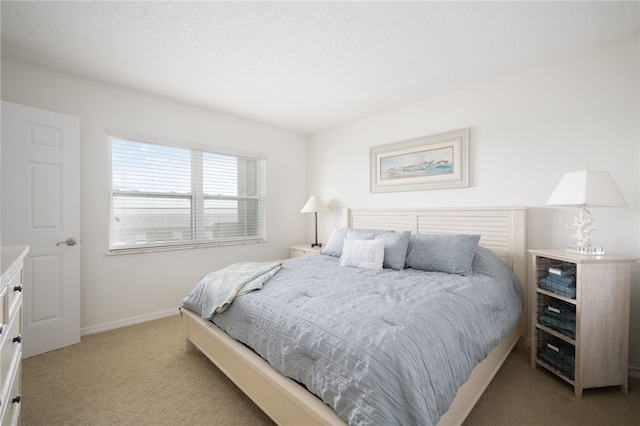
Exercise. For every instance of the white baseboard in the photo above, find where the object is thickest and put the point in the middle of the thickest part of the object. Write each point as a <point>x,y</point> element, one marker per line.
<point>127,321</point>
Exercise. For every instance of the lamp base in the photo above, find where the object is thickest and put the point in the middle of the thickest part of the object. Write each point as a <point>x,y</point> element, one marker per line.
<point>316,245</point>
<point>588,251</point>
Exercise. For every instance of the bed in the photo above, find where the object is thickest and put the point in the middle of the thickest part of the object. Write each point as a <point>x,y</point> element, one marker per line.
<point>501,230</point>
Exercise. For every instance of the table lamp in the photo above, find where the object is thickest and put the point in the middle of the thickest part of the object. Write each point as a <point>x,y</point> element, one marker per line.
<point>315,205</point>
<point>586,188</point>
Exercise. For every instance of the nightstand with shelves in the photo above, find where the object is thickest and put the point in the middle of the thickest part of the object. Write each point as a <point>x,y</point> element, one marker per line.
<point>580,317</point>
<point>304,250</point>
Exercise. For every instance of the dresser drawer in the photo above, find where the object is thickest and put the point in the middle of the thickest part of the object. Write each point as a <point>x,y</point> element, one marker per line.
<point>11,405</point>
<point>11,350</point>
<point>14,292</point>
<point>299,253</point>
<point>304,250</point>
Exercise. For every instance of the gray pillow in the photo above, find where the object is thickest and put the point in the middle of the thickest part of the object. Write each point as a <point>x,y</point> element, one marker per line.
<point>335,243</point>
<point>338,235</point>
<point>395,248</point>
<point>452,254</point>
<point>361,234</point>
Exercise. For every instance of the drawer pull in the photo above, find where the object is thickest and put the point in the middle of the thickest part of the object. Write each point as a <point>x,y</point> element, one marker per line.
<point>18,288</point>
<point>16,399</point>
<point>18,339</point>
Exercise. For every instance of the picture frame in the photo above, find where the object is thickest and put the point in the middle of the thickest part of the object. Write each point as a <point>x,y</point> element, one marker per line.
<point>433,162</point>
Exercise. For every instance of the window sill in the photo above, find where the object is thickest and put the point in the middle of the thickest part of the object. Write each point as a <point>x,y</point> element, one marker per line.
<point>152,249</point>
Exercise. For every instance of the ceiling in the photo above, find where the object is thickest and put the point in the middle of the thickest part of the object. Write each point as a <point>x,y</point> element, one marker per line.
<point>304,66</point>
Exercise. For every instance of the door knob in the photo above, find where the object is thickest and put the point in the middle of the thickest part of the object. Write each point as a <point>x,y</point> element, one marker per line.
<point>68,241</point>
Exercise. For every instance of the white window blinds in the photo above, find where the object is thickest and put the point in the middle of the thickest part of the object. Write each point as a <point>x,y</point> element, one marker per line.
<point>171,197</point>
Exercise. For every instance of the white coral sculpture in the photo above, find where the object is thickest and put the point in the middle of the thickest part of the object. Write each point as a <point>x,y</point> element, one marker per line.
<point>582,225</point>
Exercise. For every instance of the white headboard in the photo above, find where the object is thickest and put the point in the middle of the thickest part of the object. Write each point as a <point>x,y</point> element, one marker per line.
<point>501,229</point>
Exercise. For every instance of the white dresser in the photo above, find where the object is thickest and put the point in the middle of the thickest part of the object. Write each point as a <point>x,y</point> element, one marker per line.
<point>11,332</point>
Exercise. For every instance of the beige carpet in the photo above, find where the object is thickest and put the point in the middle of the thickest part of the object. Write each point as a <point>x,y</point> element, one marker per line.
<point>140,375</point>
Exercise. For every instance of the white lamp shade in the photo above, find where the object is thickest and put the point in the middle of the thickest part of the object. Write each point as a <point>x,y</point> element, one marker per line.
<point>587,188</point>
<point>314,205</point>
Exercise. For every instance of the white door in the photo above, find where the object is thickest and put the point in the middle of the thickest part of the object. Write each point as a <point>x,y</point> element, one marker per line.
<point>41,208</point>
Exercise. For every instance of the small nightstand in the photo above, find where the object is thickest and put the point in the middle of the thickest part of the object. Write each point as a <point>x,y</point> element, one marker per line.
<point>591,348</point>
<point>304,250</point>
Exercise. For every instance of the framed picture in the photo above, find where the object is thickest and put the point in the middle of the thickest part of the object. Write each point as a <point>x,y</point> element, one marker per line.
<point>433,162</point>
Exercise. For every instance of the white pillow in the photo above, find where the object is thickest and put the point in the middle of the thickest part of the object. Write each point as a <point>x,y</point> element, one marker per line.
<point>366,254</point>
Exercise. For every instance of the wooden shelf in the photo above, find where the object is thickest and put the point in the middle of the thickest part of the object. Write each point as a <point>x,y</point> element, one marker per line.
<point>601,340</point>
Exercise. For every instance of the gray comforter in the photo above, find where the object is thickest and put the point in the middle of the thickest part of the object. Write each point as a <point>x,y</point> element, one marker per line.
<point>380,347</point>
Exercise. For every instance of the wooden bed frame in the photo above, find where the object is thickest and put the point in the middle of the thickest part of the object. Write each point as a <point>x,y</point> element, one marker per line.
<point>502,229</point>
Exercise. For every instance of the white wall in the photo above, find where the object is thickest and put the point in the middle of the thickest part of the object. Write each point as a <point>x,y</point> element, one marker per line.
<point>527,129</point>
<point>117,288</point>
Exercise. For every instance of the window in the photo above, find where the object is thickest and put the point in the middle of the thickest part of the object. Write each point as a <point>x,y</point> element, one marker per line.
<point>172,197</point>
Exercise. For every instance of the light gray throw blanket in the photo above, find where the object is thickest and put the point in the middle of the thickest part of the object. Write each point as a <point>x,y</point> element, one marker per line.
<point>219,289</point>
